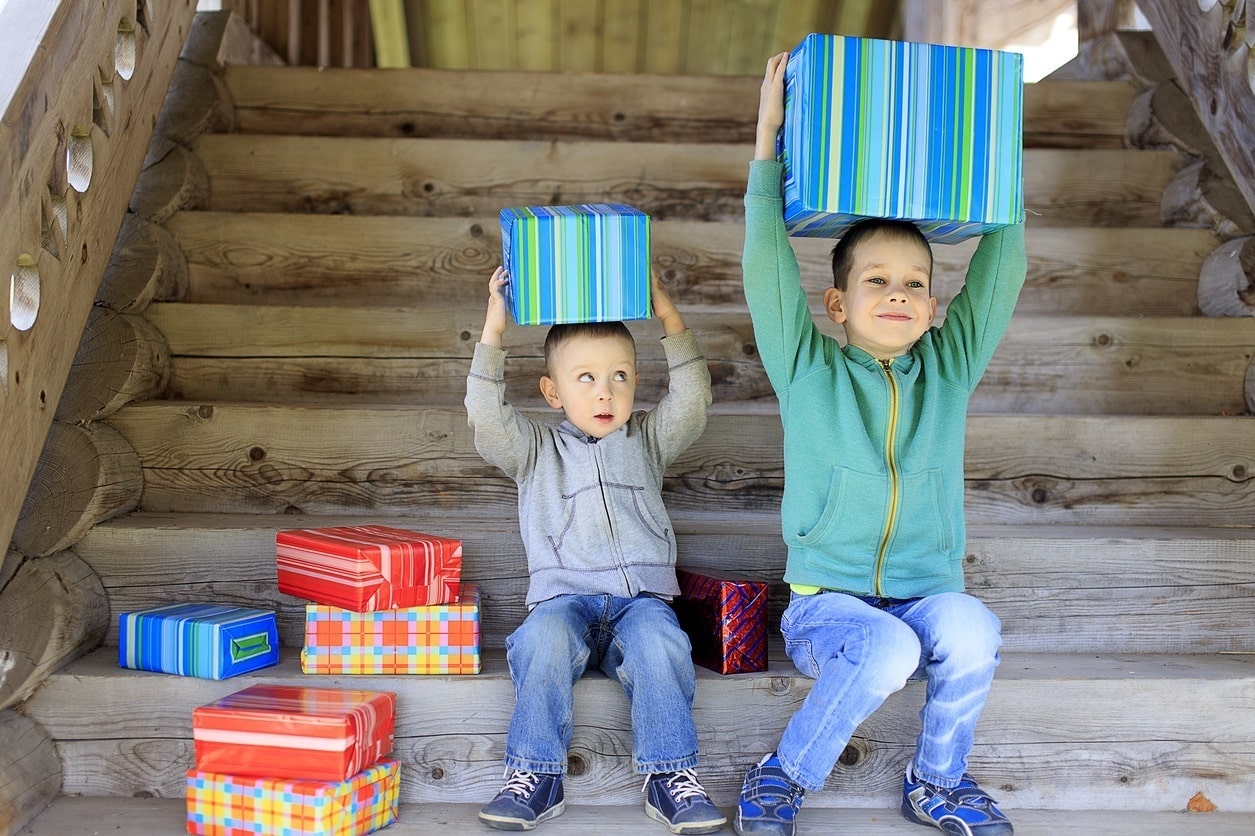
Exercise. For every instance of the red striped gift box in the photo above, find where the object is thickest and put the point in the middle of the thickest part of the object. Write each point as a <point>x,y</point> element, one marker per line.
<point>368,567</point>
<point>288,731</point>
<point>726,621</point>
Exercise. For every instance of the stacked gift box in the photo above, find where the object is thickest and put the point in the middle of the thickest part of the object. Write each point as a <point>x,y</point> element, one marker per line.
<point>382,600</point>
<point>293,761</point>
<point>583,263</point>
<point>889,129</point>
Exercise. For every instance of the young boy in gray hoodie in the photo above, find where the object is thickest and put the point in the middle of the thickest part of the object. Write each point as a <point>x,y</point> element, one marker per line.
<point>601,556</point>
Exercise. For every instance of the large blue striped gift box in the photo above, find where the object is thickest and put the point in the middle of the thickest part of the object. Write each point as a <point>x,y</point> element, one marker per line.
<point>583,263</point>
<point>211,641</point>
<point>889,129</point>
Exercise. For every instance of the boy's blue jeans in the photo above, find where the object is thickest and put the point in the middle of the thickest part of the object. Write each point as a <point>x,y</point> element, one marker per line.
<point>635,641</point>
<point>859,651</point>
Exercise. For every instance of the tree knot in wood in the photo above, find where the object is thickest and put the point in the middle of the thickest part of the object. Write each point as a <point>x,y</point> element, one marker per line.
<point>205,412</point>
<point>437,773</point>
<point>852,754</point>
<point>576,765</point>
<point>256,454</point>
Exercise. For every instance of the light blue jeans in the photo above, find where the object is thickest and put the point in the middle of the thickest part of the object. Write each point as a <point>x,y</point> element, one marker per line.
<point>861,650</point>
<point>635,641</point>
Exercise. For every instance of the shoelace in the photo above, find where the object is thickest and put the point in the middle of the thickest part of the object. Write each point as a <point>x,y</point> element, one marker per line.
<point>681,786</point>
<point>521,784</point>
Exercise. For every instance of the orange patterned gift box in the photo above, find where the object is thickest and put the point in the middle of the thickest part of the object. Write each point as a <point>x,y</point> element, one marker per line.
<point>288,731</point>
<point>440,639</point>
<point>228,805</point>
<point>368,567</point>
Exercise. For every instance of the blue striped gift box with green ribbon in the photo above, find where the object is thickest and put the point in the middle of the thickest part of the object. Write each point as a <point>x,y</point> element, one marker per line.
<point>587,262</point>
<point>211,641</point>
<point>890,129</point>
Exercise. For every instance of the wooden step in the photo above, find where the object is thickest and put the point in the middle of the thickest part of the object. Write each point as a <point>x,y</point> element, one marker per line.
<point>250,458</point>
<point>296,259</point>
<point>605,106</point>
<point>1045,364</point>
<point>473,178</point>
<point>92,816</point>
<point>1059,731</point>
<point>1057,588</point>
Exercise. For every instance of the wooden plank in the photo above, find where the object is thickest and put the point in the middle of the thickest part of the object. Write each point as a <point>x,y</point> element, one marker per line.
<point>1145,747</point>
<point>579,42</point>
<point>666,27</point>
<point>623,42</point>
<point>68,816</point>
<point>43,104</point>
<point>709,37</point>
<point>699,182</point>
<point>1080,470</point>
<point>238,257</point>
<point>1046,365</point>
<point>1155,590</point>
<point>536,42</point>
<point>469,104</point>
<point>491,26</point>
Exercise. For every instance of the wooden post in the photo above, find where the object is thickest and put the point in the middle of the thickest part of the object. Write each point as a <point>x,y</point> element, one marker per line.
<point>122,358</point>
<point>30,771</point>
<point>52,610</point>
<point>1226,283</point>
<point>147,264</point>
<point>1214,67</point>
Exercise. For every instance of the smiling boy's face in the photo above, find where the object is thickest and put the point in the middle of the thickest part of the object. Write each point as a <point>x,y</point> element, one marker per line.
<point>886,304</point>
<point>593,381</point>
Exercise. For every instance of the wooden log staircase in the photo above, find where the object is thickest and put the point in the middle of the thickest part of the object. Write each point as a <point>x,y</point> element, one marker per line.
<point>321,240</point>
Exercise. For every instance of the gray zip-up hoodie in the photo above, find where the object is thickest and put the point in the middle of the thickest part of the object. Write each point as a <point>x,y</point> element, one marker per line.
<point>590,511</point>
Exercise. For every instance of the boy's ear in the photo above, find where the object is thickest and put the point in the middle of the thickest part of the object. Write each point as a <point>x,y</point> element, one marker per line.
<point>833,306</point>
<point>550,391</point>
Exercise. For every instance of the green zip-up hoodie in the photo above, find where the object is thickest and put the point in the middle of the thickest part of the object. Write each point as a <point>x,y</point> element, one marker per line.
<point>873,456</point>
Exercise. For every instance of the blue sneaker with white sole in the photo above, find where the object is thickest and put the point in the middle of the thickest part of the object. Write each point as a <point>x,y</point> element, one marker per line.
<point>965,810</point>
<point>526,800</point>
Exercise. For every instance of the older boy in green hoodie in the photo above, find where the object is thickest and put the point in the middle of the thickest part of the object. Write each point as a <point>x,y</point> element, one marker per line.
<point>873,498</point>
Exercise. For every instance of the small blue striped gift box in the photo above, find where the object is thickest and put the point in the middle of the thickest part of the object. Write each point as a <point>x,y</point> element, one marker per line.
<point>582,263</point>
<point>211,641</point>
<point>889,129</point>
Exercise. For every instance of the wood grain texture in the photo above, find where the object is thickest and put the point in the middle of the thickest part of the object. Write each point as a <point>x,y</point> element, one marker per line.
<point>451,731</point>
<point>30,771</point>
<point>431,177</point>
<point>121,358</point>
<point>1050,588</point>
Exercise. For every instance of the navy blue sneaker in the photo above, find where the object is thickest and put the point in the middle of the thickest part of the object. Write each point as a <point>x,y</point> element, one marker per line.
<point>770,800</point>
<point>678,800</point>
<point>527,799</point>
<point>965,810</point>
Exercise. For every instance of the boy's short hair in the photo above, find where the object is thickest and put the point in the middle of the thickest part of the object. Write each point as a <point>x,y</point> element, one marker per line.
<point>563,332</point>
<point>843,252</point>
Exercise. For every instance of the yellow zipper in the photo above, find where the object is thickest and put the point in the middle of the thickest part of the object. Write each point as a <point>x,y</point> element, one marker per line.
<point>891,432</point>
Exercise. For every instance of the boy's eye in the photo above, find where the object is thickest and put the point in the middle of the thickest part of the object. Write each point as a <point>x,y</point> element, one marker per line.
<point>586,377</point>
<point>875,280</point>
<point>620,376</point>
<point>916,284</point>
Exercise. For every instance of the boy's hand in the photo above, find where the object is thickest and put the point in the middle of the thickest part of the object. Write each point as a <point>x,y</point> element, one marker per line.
<point>770,107</point>
<point>495,319</point>
<point>664,308</point>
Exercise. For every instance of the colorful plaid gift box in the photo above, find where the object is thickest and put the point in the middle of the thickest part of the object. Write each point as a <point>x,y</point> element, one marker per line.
<point>583,263</point>
<point>368,567</point>
<point>889,129</point>
<point>229,805</point>
<point>286,731</point>
<point>211,641</point>
<point>443,638</point>
<point>726,621</point>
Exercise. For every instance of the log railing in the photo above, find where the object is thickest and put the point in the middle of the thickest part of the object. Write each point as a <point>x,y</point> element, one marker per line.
<point>80,87</point>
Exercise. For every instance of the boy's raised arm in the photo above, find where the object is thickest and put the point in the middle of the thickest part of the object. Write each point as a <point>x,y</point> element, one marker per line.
<point>495,318</point>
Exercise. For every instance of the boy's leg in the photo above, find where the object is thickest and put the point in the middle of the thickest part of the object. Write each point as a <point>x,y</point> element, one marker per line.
<point>547,655</point>
<point>650,656</point>
<point>959,637</point>
<point>858,656</point>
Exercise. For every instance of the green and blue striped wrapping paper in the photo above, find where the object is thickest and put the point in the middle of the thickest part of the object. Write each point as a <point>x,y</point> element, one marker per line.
<point>890,129</point>
<point>583,263</point>
<point>211,641</point>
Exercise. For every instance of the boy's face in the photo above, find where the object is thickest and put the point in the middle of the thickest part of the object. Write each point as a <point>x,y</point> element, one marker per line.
<point>593,381</point>
<point>886,305</point>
